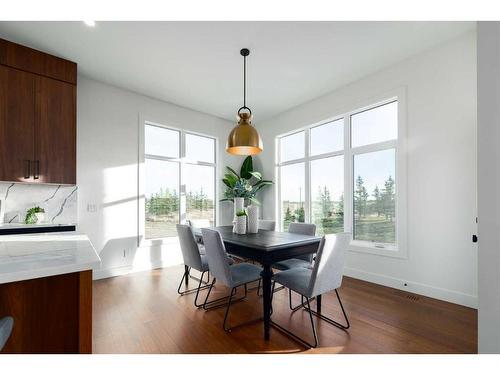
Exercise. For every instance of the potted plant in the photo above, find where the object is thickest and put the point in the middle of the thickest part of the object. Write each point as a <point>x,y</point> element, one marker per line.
<point>35,215</point>
<point>241,222</point>
<point>243,187</point>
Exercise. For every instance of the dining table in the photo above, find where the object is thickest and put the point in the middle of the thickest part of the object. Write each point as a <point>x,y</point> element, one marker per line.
<point>266,247</point>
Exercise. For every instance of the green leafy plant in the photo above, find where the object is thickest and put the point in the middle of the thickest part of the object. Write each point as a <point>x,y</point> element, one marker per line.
<point>246,184</point>
<point>241,213</point>
<point>31,215</point>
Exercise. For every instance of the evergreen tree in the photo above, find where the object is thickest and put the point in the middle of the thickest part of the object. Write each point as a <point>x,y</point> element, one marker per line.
<point>388,198</point>
<point>360,198</point>
<point>340,210</point>
<point>326,203</point>
<point>378,204</point>
<point>288,215</point>
<point>301,214</point>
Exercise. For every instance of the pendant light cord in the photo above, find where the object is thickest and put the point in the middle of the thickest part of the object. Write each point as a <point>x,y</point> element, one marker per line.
<point>245,52</point>
<point>244,81</point>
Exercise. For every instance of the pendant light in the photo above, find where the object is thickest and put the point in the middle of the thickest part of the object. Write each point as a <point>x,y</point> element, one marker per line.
<point>244,138</point>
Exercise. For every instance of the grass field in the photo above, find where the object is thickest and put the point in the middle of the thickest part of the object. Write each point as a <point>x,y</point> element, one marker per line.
<point>375,228</point>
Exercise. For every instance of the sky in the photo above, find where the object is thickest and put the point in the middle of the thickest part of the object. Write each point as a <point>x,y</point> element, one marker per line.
<point>376,125</point>
<point>165,174</point>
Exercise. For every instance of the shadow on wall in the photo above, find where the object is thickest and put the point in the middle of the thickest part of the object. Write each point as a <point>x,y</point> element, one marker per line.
<point>121,255</point>
<point>117,252</point>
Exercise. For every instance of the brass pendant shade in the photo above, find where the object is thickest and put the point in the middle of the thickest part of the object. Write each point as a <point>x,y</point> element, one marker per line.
<point>244,139</point>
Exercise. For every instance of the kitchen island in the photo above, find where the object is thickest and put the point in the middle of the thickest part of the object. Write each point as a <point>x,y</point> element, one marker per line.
<point>46,286</point>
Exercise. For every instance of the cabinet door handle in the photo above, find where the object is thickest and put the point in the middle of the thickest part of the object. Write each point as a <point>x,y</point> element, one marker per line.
<point>36,175</point>
<point>27,169</point>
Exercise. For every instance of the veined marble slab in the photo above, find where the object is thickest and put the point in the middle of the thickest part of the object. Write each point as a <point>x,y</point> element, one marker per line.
<point>31,256</point>
<point>59,202</point>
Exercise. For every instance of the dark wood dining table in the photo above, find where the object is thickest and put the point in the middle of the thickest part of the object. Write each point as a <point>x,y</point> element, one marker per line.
<point>267,248</point>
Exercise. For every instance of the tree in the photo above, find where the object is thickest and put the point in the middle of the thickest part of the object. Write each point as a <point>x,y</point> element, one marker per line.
<point>360,198</point>
<point>340,210</point>
<point>326,203</point>
<point>388,198</point>
<point>301,214</point>
<point>288,214</point>
<point>379,204</point>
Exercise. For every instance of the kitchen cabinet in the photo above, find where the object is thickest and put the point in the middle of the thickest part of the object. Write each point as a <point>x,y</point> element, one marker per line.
<point>55,131</point>
<point>17,118</point>
<point>37,116</point>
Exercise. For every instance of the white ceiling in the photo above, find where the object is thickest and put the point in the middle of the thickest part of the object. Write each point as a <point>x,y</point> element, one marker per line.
<point>197,64</point>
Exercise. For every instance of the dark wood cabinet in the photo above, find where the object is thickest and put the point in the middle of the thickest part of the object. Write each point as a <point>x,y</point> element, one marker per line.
<point>55,133</point>
<point>51,314</point>
<point>17,89</point>
<point>37,116</point>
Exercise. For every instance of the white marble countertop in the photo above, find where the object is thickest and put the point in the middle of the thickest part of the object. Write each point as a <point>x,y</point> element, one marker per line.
<point>30,256</point>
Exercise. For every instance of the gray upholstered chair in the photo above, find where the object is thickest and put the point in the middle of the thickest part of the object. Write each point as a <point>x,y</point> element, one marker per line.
<point>301,260</point>
<point>232,276</point>
<point>199,223</point>
<point>6,325</point>
<point>194,258</point>
<point>325,276</point>
<point>267,225</point>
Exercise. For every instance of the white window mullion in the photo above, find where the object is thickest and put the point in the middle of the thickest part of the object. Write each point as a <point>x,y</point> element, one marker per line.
<point>182,182</point>
<point>307,179</point>
<point>348,181</point>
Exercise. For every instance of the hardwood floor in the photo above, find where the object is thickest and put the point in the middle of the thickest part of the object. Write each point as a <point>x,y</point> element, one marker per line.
<point>142,313</point>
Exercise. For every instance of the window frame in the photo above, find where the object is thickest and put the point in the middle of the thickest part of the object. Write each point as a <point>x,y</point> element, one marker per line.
<point>399,250</point>
<point>182,160</point>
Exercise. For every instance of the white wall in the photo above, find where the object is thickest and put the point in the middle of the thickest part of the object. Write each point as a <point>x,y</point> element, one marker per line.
<point>440,89</point>
<point>107,170</point>
<point>488,95</point>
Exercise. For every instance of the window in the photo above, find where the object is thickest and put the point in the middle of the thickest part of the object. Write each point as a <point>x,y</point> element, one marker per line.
<point>179,179</point>
<point>292,193</point>
<point>342,175</point>
<point>327,138</point>
<point>292,147</point>
<point>312,178</point>
<point>327,194</point>
<point>374,197</point>
<point>375,125</point>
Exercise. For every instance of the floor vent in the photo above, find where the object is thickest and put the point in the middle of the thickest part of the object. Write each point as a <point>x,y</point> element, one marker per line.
<point>411,297</point>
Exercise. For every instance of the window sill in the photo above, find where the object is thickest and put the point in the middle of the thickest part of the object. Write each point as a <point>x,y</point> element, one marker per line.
<point>371,248</point>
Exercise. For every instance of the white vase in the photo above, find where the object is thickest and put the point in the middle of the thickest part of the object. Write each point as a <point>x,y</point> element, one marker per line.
<point>253,218</point>
<point>239,205</point>
<point>241,225</point>
<point>40,217</point>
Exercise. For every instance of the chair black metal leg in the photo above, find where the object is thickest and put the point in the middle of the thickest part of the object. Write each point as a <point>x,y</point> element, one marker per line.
<point>312,324</point>
<point>231,302</point>
<point>186,272</point>
<point>331,321</point>
<point>201,278</point>
<point>188,291</point>
<point>198,291</point>
<point>227,309</point>
<point>298,307</point>
<point>297,338</point>
<point>210,305</point>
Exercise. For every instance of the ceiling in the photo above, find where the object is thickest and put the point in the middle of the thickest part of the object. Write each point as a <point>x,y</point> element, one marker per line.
<point>197,64</point>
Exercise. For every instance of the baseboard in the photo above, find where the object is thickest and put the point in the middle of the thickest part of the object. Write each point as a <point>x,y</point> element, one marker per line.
<point>124,270</point>
<point>414,287</point>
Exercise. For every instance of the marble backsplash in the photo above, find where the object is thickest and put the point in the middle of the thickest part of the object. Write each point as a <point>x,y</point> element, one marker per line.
<point>58,201</point>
